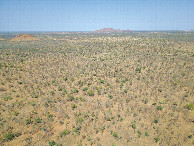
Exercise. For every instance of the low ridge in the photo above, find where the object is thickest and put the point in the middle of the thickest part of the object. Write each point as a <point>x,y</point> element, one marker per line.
<point>24,37</point>
<point>110,30</point>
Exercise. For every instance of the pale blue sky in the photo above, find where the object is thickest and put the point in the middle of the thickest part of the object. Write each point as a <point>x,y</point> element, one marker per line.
<point>87,15</point>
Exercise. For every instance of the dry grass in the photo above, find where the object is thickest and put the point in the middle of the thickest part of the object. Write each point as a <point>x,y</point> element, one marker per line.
<point>93,89</point>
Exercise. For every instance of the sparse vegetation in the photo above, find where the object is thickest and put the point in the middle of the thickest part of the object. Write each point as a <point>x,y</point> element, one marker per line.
<point>103,89</point>
<point>9,136</point>
<point>190,106</point>
<point>65,132</point>
<point>91,93</point>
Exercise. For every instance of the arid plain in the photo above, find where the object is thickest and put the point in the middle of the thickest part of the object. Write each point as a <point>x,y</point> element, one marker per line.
<point>104,89</point>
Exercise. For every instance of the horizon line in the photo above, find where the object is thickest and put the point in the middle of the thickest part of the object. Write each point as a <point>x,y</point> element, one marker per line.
<point>93,30</point>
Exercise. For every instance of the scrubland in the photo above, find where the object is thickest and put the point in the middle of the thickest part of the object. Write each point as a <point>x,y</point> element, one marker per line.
<point>97,89</point>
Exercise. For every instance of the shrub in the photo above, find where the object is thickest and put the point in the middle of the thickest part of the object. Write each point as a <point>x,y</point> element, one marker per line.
<point>7,98</point>
<point>102,81</point>
<point>75,91</point>
<point>29,121</point>
<point>60,89</point>
<point>50,116</point>
<point>190,136</point>
<point>159,108</point>
<point>138,70</point>
<point>16,113</point>
<point>38,120</point>
<point>85,89</point>
<point>70,98</point>
<point>156,121</point>
<point>9,136</point>
<point>110,96</point>
<point>133,126</point>
<point>80,120</point>
<point>74,106</point>
<point>91,93</point>
<point>64,92</point>
<point>139,133</point>
<point>190,106</point>
<point>65,132</point>
<point>20,82</point>
<point>52,92</point>
<point>76,129</point>
<point>115,134</point>
<point>82,99</point>
<point>72,79</point>
<point>157,139</point>
<point>146,133</point>
<point>51,143</point>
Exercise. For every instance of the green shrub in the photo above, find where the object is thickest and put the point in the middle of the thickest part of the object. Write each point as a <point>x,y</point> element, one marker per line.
<point>76,129</point>
<point>38,120</point>
<point>139,132</point>
<point>65,132</point>
<point>29,121</point>
<point>190,136</point>
<point>64,92</point>
<point>91,93</point>
<point>82,99</point>
<point>146,133</point>
<point>7,98</point>
<point>85,89</point>
<point>159,108</point>
<point>70,98</point>
<point>51,143</point>
<point>8,136</point>
<point>20,82</point>
<point>146,101</point>
<point>74,106</point>
<point>133,126</point>
<point>156,121</point>
<point>50,116</point>
<point>157,139</point>
<point>75,91</point>
<point>190,106</point>
<point>80,120</point>
<point>52,92</point>
<point>138,70</point>
<point>60,89</point>
<point>102,81</point>
<point>110,96</point>
<point>115,134</point>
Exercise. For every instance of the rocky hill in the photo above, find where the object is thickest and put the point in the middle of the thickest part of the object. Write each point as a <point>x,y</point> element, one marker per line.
<point>24,37</point>
<point>110,30</point>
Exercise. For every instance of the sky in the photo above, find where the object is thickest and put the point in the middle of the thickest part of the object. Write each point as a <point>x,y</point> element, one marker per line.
<point>90,15</point>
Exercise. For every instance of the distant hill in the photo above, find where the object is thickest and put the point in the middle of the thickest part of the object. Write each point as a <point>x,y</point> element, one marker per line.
<point>110,30</point>
<point>24,37</point>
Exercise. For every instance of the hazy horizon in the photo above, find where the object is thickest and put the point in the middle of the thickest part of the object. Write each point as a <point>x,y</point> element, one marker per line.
<point>88,15</point>
<point>95,30</point>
